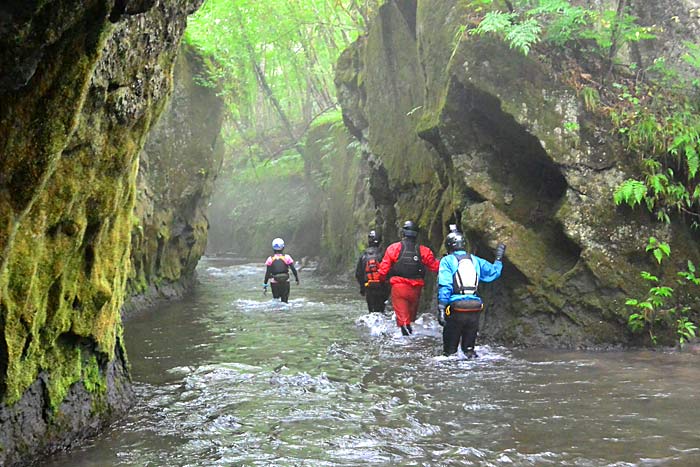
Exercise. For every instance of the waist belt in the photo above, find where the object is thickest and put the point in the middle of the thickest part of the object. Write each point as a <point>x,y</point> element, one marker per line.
<point>463,306</point>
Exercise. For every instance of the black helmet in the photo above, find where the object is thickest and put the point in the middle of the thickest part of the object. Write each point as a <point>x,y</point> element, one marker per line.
<point>409,229</point>
<point>454,242</point>
<point>373,238</point>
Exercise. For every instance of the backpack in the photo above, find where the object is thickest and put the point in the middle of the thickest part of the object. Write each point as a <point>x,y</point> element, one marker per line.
<point>279,269</point>
<point>465,280</point>
<point>372,260</point>
<point>409,264</point>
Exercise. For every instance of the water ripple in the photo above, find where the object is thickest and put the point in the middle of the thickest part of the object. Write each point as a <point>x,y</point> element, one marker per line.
<point>232,377</point>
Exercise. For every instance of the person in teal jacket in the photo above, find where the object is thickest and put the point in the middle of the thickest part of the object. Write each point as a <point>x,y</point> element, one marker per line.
<point>459,306</point>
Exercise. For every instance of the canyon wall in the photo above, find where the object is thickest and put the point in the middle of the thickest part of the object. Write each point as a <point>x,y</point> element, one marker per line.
<point>462,129</point>
<point>81,85</point>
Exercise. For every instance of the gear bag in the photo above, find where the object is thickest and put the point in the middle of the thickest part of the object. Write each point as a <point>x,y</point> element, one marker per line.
<point>409,265</point>
<point>465,280</point>
<point>279,269</point>
<point>372,269</point>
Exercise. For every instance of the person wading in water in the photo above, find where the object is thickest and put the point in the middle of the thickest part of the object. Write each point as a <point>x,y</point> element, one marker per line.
<point>405,262</point>
<point>459,307</point>
<point>372,288</point>
<point>277,273</point>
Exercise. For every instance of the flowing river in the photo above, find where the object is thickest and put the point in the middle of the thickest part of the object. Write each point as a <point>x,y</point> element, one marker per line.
<point>230,377</point>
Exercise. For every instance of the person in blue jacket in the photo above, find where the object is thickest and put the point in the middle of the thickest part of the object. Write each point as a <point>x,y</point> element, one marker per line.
<point>459,306</point>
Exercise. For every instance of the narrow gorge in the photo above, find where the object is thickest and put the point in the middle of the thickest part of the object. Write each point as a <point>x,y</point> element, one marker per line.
<point>139,136</point>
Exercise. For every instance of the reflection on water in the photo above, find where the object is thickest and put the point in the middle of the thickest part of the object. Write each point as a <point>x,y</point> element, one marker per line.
<point>230,377</point>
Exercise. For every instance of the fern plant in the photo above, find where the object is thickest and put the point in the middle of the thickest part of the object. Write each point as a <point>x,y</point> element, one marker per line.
<point>658,307</point>
<point>522,35</point>
<point>631,192</point>
<point>560,23</point>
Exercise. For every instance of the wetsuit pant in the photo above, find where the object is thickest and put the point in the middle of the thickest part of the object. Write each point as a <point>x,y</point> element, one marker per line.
<point>280,290</point>
<point>460,325</point>
<point>405,299</point>
<point>376,296</point>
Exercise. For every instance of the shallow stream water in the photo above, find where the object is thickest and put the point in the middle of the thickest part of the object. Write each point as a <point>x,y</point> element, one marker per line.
<point>231,377</point>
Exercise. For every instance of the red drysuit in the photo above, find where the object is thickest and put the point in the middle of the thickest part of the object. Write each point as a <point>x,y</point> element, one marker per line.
<point>405,292</point>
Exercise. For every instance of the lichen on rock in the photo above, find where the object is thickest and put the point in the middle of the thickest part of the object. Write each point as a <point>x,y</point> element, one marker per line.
<point>81,96</point>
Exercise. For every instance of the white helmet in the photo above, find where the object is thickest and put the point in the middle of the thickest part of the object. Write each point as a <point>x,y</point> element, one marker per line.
<point>278,244</point>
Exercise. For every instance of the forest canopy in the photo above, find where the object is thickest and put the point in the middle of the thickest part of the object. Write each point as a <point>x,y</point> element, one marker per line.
<point>273,62</point>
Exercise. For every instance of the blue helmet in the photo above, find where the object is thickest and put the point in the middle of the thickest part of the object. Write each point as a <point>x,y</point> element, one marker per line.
<point>278,244</point>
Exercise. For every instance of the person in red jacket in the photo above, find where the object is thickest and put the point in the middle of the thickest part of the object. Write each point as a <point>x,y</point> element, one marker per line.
<point>405,263</point>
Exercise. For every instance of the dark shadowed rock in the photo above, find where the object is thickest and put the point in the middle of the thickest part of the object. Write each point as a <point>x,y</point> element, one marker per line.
<point>81,85</point>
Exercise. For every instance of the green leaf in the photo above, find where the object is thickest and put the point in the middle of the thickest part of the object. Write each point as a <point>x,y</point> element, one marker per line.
<point>648,277</point>
<point>521,36</point>
<point>630,192</point>
<point>661,291</point>
<point>651,243</point>
<point>692,57</point>
<point>494,21</point>
<point>693,160</point>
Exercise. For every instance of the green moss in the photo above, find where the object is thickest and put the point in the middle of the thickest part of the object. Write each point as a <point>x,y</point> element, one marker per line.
<point>66,372</point>
<point>66,258</point>
<point>92,377</point>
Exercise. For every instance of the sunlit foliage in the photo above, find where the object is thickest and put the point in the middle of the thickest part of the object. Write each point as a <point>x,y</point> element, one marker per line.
<point>273,61</point>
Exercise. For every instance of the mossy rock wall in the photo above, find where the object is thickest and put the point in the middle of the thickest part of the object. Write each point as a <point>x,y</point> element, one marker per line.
<point>82,84</point>
<point>177,170</point>
<point>338,175</point>
<point>477,134</point>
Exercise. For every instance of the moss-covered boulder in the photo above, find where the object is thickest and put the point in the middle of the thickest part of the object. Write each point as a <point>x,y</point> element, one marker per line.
<point>338,177</point>
<point>82,83</point>
<point>177,169</point>
<point>470,131</point>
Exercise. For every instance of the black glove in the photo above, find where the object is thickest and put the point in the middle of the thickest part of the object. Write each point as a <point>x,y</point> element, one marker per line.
<point>362,290</point>
<point>441,313</point>
<point>500,251</point>
<point>264,289</point>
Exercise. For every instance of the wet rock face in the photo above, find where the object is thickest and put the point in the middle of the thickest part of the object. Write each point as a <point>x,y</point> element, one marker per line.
<point>82,83</point>
<point>178,167</point>
<point>484,137</point>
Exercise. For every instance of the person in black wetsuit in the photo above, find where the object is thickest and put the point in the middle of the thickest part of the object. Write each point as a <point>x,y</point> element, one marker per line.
<point>374,290</point>
<point>277,272</point>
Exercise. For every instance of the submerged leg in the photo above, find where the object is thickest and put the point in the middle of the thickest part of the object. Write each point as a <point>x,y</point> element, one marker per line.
<point>471,327</point>
<point>402,298</point>
<point>284,291</point>
<point>451,333</point>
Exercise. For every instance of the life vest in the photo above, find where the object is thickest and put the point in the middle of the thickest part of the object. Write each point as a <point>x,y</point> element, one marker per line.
<point>465,280</point>
<point>409,264</point>
<point>279,269</point>
<point>372,259</point>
